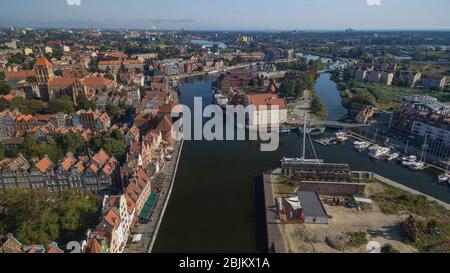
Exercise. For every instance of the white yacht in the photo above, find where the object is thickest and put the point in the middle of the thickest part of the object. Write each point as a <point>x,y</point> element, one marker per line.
<point>445,177</point>
<point>361,145</point>
<point>417,166</point>
<point>379,152</point>
<point>408,161</point>
<point>393,156</point>
<point>342,136</point>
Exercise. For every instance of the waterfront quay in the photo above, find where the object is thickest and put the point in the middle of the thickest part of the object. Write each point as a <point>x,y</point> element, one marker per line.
<point>275,239</point>
<point>149,231</point>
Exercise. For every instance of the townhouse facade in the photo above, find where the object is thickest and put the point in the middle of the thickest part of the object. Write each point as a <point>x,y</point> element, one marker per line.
<point>98,173</point>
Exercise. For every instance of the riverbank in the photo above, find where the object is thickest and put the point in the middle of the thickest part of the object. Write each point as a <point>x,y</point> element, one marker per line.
<point>275,241</point>
<point>349,230</point>
<point>150,230</point>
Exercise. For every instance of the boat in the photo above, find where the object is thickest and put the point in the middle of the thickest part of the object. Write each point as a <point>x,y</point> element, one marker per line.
<point>284,130</point>
<point>342,136</point>
<point>378,153</point>
<point>416,166</point>
<point>408,161</point>
<point>445,177</point>
<point>221,100</point>
<point>393,156</point>
<point>361,145</point>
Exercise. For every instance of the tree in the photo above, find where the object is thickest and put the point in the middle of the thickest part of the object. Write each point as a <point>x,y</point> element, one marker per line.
<point>41,217</point>
<point>27,106</point>
<point>4,88</point>
<point>30,148</point>
<point>117,135</point>
<point>31,79</point>
<point>2,151</point>
<point>71,142</point>
<point>116,148</point>
<point>84,103</point>
<point>63,104</point>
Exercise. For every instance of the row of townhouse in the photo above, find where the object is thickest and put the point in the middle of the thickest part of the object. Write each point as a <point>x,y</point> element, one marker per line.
<point>121,212</point>
<point>115,66</point>
<point>104,100</point>
<point>98,173</point>
<point>12,246</point>
<point>14,123</point>
<point>387,74</point>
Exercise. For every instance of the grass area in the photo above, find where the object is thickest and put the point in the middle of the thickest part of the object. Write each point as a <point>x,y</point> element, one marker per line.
<point>285,185</point>
<point>389,97</point>
<point>318,109</point>
<point>429,242</point>
<point>396,201</point>
<point>430,215</point>
<point>357,239</point>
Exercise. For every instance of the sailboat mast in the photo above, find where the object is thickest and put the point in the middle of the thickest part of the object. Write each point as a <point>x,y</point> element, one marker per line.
<point>304,138</point>
<point>423,149</point>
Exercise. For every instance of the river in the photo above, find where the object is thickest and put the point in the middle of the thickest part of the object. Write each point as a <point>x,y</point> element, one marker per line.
<point>217,202</point>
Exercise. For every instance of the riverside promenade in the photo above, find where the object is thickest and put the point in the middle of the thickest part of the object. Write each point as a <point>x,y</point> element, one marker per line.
<point>150,230</point>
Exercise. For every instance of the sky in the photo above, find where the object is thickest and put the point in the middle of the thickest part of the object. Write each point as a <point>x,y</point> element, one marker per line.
<point>229,14</point>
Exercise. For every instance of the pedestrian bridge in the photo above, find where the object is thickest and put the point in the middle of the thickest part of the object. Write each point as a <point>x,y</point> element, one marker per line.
<point>341,125</point>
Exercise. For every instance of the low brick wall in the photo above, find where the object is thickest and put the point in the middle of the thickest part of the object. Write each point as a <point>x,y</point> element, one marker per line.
<point>334,188</point>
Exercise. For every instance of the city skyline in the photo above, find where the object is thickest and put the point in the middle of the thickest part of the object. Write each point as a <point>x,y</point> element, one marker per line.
<point>231,15</point>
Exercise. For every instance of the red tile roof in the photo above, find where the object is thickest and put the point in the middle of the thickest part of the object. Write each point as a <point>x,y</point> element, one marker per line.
<point>62,82</point>
<point>44,164</point>
<point>14,75</point>
<point>43,62</point>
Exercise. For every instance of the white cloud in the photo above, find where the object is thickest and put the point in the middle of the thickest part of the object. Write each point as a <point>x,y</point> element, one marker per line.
<point>374,2</point>
<point>73,2</point>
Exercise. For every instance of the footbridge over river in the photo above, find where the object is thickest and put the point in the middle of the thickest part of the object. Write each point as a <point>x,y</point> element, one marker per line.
<point>341,125</point>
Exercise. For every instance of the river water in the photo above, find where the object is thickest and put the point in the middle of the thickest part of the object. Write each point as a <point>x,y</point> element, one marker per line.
<point>217,202</point>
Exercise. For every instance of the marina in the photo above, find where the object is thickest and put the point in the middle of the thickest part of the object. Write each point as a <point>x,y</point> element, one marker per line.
<point>198,194</point>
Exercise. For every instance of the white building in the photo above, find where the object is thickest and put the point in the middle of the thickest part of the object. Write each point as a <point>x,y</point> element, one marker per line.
<point>432,132</point>
<point>269,110</point>
<point>117,220</point>
<point>135,94</point>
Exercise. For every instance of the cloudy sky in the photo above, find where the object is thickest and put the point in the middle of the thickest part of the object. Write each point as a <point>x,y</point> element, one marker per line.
<point>229,14</point>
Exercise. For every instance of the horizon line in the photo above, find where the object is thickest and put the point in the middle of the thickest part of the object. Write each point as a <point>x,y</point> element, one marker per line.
<point>444,29</point>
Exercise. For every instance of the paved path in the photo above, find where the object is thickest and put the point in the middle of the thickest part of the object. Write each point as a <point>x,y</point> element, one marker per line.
<point>274,236</point>
<point>150,231</point>
<point>407,189</point>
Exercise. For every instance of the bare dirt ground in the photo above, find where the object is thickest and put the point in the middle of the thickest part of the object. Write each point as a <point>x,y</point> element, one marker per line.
<point>384,229</point>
